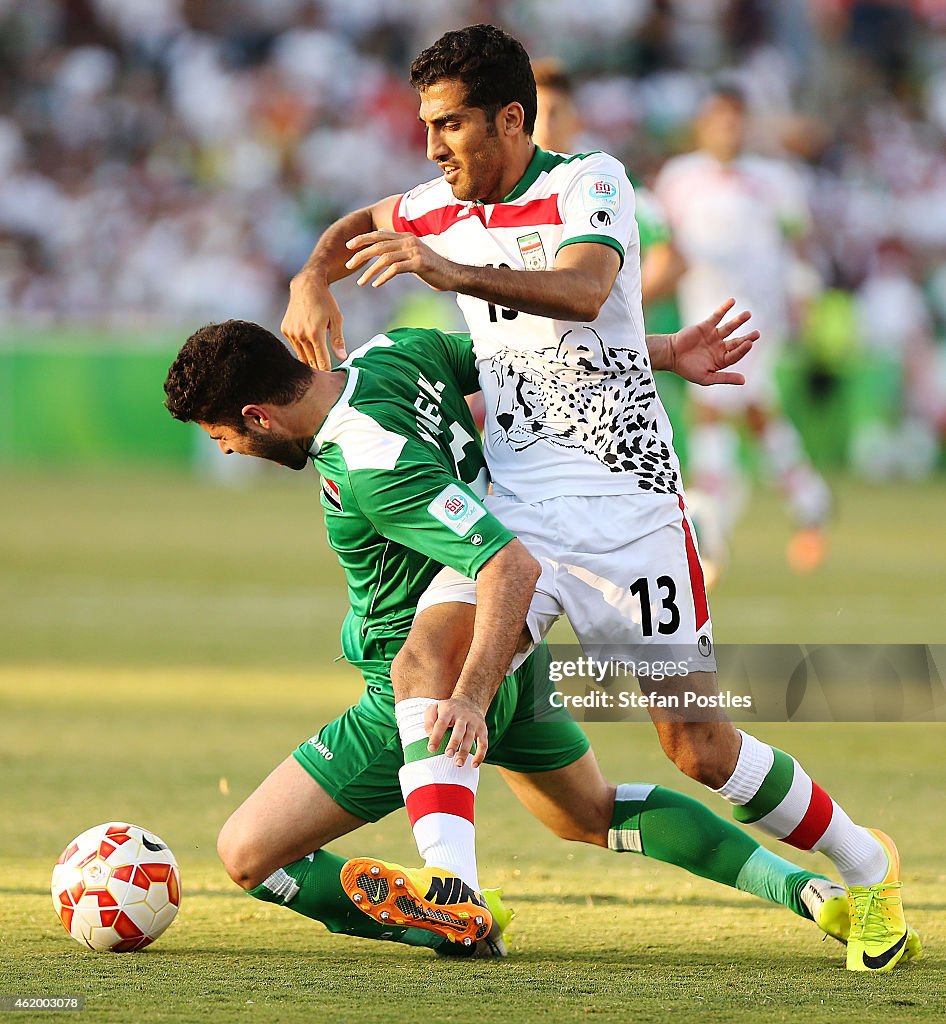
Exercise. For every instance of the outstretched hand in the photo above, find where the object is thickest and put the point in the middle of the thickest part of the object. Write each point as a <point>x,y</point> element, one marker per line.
<point>701,352</point>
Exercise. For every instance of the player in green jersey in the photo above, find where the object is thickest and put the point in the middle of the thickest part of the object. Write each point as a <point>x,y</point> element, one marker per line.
<point>402,474</point>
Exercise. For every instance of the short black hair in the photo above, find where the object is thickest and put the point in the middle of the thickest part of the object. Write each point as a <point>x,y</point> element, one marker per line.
<point>493,66</point>
<point>224,367</point>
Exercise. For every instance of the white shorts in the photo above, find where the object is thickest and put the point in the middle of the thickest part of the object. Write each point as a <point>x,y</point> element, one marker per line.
<point>625,569</point>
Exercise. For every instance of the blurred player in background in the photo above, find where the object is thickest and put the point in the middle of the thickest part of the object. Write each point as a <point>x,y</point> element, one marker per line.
<point>557,129</point>
<point>543,253</point>
<point>735,217</point>
<point>899,437</point>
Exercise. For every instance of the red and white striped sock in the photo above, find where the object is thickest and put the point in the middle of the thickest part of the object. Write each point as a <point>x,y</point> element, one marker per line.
<point>438,795</point>
<point>773,792</point>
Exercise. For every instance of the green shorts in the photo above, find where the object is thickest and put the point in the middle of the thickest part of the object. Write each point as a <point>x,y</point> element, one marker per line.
<point>356,758</point>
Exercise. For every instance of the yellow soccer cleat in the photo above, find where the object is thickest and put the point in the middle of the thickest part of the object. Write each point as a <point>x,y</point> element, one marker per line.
<point>429,898</point>
<point>913,950</point>
<point>494,944</point>
<point>879,936</point>
<point>828,905</point>
<point>826,902</point>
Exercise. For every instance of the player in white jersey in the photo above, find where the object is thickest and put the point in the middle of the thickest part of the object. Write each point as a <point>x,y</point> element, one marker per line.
<point>564,394</point>
<point>735,216</point>
<point>542,252</point>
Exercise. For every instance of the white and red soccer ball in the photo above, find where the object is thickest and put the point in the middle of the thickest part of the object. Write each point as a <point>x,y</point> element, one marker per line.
<point>116,887</point>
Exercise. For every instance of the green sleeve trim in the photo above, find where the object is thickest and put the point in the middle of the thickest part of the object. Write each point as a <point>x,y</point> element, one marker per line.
<point>490,547</point>
<point>582,156</point>
<point>600,239</point>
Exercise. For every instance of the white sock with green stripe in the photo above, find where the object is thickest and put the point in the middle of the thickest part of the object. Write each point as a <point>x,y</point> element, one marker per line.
<point>438,795</point>
<point>773,792</point>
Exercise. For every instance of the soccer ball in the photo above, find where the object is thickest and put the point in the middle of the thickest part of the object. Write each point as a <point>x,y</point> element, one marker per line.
<point>116,888</point>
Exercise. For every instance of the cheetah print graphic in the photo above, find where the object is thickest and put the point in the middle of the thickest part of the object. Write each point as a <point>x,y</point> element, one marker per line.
<point>600,401</point>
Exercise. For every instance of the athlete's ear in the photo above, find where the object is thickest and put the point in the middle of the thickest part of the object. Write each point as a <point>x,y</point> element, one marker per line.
<point>256,416</point>
<point>512,119</point>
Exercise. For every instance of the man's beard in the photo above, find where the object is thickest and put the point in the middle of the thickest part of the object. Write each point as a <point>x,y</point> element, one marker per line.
<point>281,450</point>
<point>479,175</point>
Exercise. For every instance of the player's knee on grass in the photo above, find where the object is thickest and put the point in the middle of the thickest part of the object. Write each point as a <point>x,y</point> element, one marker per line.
<point>244,856</point>
<point>235,861</point>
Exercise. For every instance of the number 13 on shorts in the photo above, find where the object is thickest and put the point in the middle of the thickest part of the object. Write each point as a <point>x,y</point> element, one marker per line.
<point>668,619</point>
<point>646,589</point>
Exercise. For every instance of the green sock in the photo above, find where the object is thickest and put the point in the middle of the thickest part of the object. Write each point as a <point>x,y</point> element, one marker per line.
<point>312,887</point>
<point>666,825</point>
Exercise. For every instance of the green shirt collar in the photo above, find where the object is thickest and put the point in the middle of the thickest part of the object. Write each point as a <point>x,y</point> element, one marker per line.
<point>541,161</point>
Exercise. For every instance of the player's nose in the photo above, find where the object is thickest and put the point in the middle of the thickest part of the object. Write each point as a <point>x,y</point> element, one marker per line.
<point>436,148</point>
<point>224,447</point>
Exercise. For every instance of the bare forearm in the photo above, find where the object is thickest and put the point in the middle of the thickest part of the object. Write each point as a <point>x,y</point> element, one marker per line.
<point>327,260</point>
<point>660,350</point>
<point>564,294</point>
<point>558,294</point>
<point>504,589</point>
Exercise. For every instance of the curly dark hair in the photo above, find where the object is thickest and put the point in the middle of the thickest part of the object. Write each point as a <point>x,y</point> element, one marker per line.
<point>223,367</point>
<point>493,67</point>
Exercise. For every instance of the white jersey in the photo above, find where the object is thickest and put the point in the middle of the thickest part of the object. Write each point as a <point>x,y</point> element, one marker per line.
<point>730,222</point>
<point>571,408</point>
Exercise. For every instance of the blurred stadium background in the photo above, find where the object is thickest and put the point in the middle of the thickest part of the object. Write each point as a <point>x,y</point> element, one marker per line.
<point>165,637</point>
<point>168,162</point>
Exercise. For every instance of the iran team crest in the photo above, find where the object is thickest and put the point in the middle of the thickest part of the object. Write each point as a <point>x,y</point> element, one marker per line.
<point>533,252</point>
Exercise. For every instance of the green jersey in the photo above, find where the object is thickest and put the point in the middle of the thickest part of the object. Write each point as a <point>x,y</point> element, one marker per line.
<point>662,315</point>
<point>403,477</point>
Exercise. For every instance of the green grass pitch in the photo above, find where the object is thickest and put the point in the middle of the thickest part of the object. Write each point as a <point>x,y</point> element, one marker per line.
<point>159,636</point>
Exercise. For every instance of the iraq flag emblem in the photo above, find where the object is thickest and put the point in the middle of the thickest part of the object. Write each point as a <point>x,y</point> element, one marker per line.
<point>332,494</point>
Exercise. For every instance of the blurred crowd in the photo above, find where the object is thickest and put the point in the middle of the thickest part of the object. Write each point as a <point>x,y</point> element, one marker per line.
<point>171,160</point>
